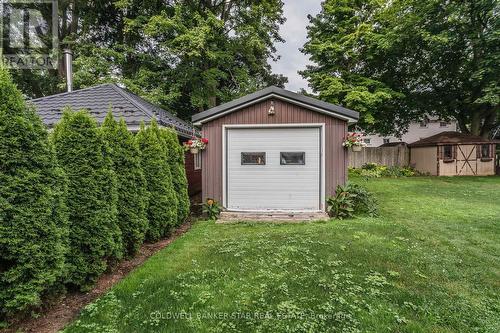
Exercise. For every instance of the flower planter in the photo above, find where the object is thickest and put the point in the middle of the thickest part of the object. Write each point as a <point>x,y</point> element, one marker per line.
<point>195,145</point>
<point>354,141</point>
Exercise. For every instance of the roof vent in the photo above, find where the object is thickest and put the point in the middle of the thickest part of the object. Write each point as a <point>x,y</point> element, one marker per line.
<point>68,63</point>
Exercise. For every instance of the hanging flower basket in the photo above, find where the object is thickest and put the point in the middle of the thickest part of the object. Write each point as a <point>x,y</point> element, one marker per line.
<point>195,145</point>
<point>354,141</point>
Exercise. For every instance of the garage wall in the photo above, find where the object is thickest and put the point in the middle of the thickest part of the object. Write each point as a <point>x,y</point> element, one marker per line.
<point>286,113</point>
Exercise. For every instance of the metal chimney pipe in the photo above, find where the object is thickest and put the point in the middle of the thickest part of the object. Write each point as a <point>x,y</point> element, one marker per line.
<point>68,63</point>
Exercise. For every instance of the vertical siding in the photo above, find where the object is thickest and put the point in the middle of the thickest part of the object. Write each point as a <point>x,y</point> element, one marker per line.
<point>425,159</point>
<point>286,113</point>
<point>193,176</point>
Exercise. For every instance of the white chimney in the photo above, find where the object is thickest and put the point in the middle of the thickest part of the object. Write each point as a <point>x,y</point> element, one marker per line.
<point>68,64</point>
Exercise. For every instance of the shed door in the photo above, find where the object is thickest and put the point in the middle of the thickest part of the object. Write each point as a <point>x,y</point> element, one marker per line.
<point>273,168</point>
<point>466,160</point>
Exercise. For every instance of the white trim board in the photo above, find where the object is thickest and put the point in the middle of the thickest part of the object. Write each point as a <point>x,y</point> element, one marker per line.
<point>292,101</point>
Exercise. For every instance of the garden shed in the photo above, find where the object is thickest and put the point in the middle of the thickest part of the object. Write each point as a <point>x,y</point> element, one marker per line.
<point>274,150</point>
<point>453,154</point>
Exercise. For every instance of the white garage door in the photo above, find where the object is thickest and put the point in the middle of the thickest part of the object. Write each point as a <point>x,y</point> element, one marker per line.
<point>273,168</point>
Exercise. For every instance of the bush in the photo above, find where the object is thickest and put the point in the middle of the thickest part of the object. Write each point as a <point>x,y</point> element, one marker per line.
<point>373,170</point>
<point>95,238</point>
<point>162,204</point>
<point>371,166</point>
<point>176,161</point>
<point>131,183</point>
<point>396,171</point>
<point>351,199</point>
<point>33,219</point>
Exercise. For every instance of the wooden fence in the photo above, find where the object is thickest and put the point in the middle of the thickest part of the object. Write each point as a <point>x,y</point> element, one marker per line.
<point>390,156</point>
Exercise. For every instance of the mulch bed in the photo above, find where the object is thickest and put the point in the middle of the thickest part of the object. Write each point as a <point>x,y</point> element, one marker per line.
<point>61,312</point>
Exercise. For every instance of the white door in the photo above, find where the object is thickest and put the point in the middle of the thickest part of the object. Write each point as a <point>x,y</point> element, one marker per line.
<point>273,168</point>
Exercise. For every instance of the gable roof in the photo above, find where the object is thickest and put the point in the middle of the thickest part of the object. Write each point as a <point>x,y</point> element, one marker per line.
<point>450,138</point>
<point>98,100</point>
<point>291,97</point>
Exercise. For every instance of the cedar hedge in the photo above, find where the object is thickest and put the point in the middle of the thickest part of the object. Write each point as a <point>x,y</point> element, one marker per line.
<point>74,203</point>
<point>131,185</point>
<point>162,203</point>
<point>94,236</point>
<point>33,219</point>
<point>179,179</point>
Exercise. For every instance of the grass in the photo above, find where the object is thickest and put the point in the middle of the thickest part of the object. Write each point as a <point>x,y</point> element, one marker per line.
<point>429,263</point>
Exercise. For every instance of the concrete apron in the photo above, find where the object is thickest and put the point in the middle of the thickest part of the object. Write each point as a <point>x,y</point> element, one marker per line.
<point>269,216</point>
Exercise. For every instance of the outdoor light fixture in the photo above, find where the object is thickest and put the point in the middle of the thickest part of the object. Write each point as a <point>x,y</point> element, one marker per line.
<point>271,111</point>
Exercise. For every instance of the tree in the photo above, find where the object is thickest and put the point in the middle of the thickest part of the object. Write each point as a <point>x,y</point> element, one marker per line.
<point>33,219</point>
<point>175,158</point>
<point>220,48</point>
<point>400,61</point>
<point>95,238</point>
<point>131,183</point>
<point>182,55</point>
<point>162,204</point>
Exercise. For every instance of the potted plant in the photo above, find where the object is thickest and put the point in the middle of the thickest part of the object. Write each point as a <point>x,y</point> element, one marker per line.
<point>354,141</point>
<point>195,145</point>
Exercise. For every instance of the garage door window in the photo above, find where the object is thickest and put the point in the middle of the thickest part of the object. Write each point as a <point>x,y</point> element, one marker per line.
<point>253,158</point>
<point>292,158</point>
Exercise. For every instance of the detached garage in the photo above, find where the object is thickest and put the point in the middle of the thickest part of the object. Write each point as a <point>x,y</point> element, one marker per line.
<point>274,150</point>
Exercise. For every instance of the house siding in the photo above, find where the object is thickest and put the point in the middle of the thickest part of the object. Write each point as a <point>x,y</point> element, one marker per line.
<point>193,176</point>
<point>285,113</point>
<point>414,133</point>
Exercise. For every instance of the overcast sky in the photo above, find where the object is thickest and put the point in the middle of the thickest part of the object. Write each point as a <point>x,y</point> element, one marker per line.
<point>294,32</point>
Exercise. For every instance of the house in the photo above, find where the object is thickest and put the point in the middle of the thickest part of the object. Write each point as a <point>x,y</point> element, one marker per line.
<point>101,99</point>
<point>274,150</point>
<point>454,154</point>
<point>416,131</point>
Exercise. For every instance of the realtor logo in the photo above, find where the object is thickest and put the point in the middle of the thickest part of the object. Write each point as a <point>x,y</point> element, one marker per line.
<point>29,33</point>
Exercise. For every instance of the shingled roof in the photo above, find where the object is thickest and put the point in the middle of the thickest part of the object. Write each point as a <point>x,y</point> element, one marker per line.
<point>450,138</point>
<point>98,100</point>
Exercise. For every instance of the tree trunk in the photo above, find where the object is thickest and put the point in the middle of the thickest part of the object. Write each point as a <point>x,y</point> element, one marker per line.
<point>212,101</point>
<point>490,123</point>
<point>475,123</point>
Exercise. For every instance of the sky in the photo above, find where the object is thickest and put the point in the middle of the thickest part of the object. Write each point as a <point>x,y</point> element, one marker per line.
<point>295,35</point>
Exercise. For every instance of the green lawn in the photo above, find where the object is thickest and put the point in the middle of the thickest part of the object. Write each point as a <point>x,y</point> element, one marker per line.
<point>429,263</point>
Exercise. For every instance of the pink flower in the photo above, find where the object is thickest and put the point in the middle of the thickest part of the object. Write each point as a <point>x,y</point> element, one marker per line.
<point>204,140</point>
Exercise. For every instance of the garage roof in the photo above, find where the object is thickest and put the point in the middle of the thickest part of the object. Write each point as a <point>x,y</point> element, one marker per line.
<point>298,99</point>
<point>100,99</point>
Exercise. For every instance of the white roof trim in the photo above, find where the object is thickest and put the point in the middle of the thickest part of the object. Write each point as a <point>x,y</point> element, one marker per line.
<point>307,106</point>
